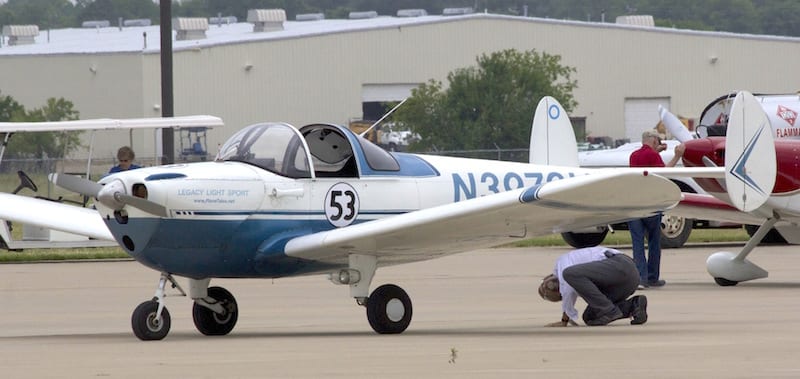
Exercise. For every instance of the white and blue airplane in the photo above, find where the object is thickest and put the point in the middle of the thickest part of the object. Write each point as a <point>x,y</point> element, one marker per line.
<point>280,201</point>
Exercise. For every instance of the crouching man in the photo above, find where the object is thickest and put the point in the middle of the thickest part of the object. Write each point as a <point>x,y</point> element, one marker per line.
<point>602,277</point>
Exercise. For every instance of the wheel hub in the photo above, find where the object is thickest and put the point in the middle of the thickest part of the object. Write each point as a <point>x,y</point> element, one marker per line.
<point>395,310</point>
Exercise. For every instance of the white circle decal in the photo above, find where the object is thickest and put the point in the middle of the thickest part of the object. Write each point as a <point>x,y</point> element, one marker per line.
<point>341,205</point>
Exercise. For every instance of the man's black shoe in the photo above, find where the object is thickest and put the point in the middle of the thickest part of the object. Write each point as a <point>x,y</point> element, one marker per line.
<point>639,312</point>
<point>657,283</point>
<point>605,319</point>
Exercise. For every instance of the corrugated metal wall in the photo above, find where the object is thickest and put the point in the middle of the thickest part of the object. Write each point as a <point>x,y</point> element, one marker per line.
<point>319,78</point>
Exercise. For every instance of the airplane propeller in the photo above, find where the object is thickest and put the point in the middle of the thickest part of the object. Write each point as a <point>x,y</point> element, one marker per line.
<point>111,195</point>
<point>674,125</point>
<point>76,184</point>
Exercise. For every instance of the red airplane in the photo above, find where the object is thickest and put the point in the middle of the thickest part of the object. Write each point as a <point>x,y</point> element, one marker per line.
<point>759,191</point>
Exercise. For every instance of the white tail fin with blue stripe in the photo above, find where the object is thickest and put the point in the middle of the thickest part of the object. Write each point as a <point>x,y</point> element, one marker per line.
<point>552,138</point>
<point>750,163</point>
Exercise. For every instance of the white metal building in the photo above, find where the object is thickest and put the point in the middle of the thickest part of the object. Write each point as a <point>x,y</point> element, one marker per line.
<point>322,70</point>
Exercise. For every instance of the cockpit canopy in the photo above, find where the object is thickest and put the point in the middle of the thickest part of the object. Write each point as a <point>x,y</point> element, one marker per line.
<point>316,150</point>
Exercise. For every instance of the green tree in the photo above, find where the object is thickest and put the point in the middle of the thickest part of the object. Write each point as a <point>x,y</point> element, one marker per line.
<point>40,145</point>
<point>45,13</point>
<point>489,105</point>
<point>112,10</point>
<point>10,109</point>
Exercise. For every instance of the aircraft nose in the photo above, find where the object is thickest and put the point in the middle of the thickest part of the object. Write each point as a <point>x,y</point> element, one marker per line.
<point>109,195</point>
<point>713,148</point>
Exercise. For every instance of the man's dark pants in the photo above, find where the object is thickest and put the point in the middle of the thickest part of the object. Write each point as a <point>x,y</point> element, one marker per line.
<point>649,265</point>
<point>605,285</point>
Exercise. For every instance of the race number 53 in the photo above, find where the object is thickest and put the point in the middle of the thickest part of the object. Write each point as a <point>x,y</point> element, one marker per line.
<point>341,205</point>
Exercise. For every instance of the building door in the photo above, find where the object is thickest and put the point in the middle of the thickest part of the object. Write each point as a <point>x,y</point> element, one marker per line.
<point>642,114</point>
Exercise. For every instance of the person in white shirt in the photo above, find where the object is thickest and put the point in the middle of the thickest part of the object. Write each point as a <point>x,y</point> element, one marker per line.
<point>602,277</point>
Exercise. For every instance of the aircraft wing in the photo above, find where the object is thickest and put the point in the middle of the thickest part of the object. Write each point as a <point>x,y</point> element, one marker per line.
<point>109,124</point>
<point>707,207</point>
<point>554,207</point>
<point>53,215</point>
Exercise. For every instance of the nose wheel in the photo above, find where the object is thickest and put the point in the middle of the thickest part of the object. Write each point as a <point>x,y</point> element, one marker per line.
<point>148,324</point>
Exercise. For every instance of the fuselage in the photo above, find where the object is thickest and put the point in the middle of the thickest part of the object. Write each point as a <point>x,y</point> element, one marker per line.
<point>232,218</point>
<point>785,193</point>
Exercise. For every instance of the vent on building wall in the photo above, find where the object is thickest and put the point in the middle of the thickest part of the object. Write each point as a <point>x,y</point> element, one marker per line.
<point>310,17</point>
<point>411,12</point>
<point>190,28</point>
<point>91,24</point>
<point>639,20</point>
<point>266,20</point>
<point>21,34</point>
<point>457,11</point>
<point>137,22</point>
<point>362,15</point>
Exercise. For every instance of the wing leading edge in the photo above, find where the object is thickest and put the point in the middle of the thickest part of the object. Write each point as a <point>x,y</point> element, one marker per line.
<point>562,205</point>
<point>111,124</point>
<point>53,215</point>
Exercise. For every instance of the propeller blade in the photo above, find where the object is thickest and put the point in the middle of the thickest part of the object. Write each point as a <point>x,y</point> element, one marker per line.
<point>674,125</point>
<point>76,184</point>
<point>143,204</point>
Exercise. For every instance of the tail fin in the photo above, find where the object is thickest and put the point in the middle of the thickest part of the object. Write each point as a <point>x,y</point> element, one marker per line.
<point>750,160</point>
<point>552,137</point>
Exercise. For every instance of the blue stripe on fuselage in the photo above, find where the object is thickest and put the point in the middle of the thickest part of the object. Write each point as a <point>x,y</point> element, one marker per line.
<point>201,248</point>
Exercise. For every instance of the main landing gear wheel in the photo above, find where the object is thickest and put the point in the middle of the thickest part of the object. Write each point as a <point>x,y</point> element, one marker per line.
<point>675,231</point>
<point>146,326</point>
<point>215,324</point>
<point>581,240</point>
<point>389,309</point>
<point>725,282</point>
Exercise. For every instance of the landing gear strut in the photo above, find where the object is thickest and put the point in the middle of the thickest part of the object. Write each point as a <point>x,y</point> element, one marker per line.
<point>150,321</point>
<point>728,269</point>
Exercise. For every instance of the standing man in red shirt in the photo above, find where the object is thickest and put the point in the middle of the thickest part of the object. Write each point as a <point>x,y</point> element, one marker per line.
<point>649,267</point>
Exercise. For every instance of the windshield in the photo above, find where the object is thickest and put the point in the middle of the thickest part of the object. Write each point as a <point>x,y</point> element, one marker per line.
<point>272,146</point>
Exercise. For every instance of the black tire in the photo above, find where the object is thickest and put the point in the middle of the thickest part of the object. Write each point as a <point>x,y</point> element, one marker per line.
<point>675,231</point>
<point>725,282</point>
<point>581,240</point>
<point>213,324</point>
<point>146,326</point>
<point>772,237</point>
<point>389,309</point>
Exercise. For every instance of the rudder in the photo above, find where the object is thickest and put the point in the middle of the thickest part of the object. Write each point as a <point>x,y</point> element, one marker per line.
<point>552,137</point>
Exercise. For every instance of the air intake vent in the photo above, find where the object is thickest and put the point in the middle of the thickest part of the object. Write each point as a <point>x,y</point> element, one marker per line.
<point>190,28</point>
<point>411,13</point>
<point>362,15</point>
<point>265,20</point>
<point>21,34</point>
<point>310,17</point>
<point>137,22</point>
<point>640,20</point>
<point>95,24</point>
<point>223,20</point>
<point>457,11</point>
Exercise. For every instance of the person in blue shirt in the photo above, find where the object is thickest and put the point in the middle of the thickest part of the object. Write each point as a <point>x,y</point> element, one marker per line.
<point>602,277</point>
<point>125,156</point>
